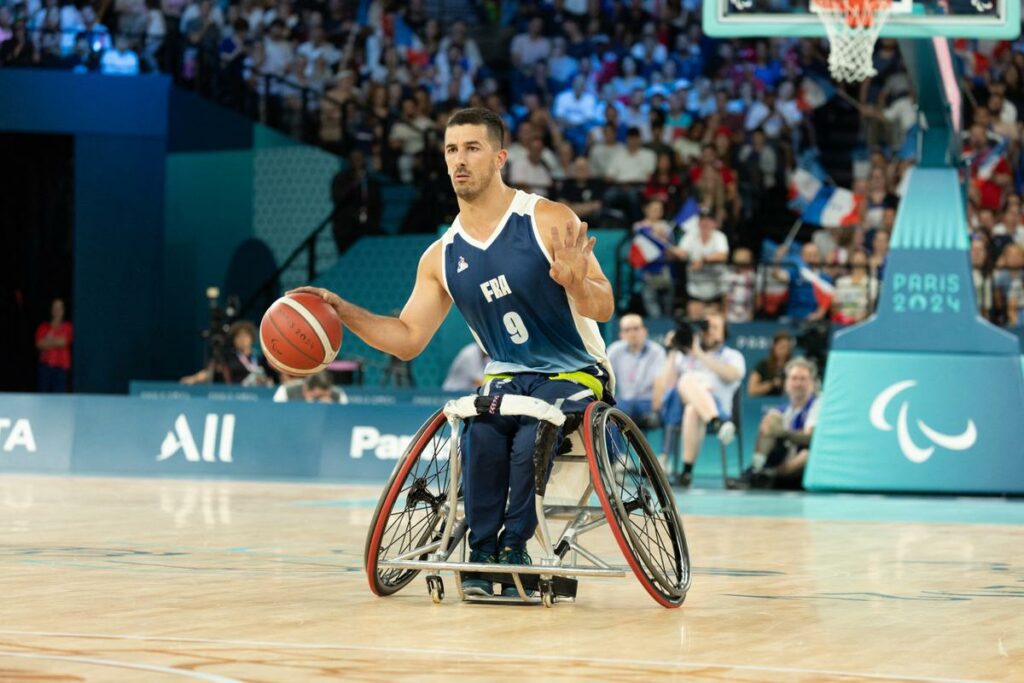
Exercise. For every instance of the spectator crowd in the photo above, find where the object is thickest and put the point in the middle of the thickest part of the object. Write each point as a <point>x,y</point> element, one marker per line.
<point>623,109</point>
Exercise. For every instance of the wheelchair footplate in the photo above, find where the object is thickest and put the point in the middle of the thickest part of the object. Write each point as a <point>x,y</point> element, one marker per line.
<point>537,584</point>
<point>533,586</point>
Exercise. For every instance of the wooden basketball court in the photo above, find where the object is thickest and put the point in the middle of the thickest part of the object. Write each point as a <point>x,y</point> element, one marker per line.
<point>152,580</point>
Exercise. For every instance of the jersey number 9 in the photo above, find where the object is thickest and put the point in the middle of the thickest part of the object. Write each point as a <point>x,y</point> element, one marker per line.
<point>516,329</point>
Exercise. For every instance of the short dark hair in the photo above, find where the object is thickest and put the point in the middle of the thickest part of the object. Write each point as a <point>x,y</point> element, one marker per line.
<point>321,380</point>
<point>480,116</point>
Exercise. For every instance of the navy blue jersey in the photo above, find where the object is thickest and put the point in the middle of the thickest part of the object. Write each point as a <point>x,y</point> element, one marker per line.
<point>522,318</point>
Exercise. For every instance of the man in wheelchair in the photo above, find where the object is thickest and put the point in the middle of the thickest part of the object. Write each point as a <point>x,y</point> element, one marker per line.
<point>500,454</point>
<point>521,271</point>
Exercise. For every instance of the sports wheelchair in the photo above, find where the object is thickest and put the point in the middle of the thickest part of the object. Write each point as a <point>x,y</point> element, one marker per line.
<point>419,524</point>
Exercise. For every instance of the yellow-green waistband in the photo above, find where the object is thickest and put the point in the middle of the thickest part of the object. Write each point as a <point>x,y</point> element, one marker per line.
<point>578,376</point>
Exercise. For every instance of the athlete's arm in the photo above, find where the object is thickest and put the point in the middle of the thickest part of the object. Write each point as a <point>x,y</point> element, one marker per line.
<point>573,264</point>
<point>407,335</point>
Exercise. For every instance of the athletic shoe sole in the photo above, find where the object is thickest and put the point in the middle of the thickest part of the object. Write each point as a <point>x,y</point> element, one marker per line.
<point>477,590</point>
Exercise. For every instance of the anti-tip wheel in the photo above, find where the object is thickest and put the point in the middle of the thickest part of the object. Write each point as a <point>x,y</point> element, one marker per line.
<point>547,593</point>
<point>436,587</point>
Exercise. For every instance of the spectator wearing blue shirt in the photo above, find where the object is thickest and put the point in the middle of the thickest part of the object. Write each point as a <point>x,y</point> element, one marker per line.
<point>637,362</point>
<point>802,302</point>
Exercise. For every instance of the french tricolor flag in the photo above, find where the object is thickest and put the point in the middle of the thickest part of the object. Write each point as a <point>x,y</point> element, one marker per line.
<point>646,248</point>
<point>804,186</point>
<point>824,292</point>
<point>833,207</point>
<point>821,203</point>
<point>688,217</point>
<point>986,163</point>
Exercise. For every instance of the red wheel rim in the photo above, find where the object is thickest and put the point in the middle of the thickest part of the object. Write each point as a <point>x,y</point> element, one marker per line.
<point>613,521</point>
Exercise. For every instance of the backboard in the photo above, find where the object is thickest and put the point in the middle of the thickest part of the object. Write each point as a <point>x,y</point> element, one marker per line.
<point>993,19</point>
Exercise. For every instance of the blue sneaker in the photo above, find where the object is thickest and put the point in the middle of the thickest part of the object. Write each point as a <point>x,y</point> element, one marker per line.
<point>475,583</point>
<point>514,556</point>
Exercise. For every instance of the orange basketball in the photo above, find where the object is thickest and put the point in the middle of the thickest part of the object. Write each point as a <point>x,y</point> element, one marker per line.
<point>300,334</point>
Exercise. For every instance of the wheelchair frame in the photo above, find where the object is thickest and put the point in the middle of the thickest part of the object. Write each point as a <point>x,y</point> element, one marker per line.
<point>555,576</point>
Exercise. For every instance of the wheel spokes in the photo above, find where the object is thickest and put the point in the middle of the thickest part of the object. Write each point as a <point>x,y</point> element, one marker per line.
<point>647,514</point>
<point>418,508</point>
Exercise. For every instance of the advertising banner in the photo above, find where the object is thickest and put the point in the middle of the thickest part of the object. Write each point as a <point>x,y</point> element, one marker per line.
<point>119,435</point>
<point>902,422</point>
<point>36,432</point>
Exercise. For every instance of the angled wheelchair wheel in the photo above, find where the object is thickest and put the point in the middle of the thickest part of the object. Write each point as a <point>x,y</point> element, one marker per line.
<point>638,503</point>
<point>412,507</point>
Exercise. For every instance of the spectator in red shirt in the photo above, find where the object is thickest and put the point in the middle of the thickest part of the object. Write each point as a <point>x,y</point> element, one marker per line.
<point>53,339</point>
<point>991,175</point>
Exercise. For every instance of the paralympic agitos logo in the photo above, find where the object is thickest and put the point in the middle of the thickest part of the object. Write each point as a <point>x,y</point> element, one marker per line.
<point>913,452</point>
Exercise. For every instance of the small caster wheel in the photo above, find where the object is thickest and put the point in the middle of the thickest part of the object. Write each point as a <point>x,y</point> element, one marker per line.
<point>436,588</point>
<point>547,592</point>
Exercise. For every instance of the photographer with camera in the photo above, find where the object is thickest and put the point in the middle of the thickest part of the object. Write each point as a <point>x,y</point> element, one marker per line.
<point>238,364</point>
<point>637,362</point>
<point>706,374</point>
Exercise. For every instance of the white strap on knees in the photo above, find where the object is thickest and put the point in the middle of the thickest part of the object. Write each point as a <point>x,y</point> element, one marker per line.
<point>461,407</point>
<point>509,405</point>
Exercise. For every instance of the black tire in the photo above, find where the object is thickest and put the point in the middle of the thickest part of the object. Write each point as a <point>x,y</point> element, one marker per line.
<point>638,503</point>
<point>409,513</point>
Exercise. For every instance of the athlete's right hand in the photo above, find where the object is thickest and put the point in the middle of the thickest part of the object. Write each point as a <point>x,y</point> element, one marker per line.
<point>332,299</point>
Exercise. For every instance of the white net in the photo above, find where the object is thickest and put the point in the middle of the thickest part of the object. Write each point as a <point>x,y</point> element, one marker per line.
<point>853,27</point>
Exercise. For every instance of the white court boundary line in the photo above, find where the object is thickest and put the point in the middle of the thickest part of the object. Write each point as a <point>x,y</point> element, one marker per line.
<point>477,654</point>
<point>197,675</point>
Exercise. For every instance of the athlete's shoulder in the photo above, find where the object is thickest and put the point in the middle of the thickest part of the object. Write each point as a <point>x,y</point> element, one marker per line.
<point>430,260</point>
<point>553,212</point>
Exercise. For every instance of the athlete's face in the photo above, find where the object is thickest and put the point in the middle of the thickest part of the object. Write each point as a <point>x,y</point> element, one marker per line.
<point>472,159</point>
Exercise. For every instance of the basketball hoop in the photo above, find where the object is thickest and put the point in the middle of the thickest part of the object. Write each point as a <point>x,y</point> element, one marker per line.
<point>853,27</point>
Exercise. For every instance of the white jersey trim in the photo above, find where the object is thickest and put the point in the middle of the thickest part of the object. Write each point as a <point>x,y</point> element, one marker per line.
<point>518,203</point>
<point>446,239</point>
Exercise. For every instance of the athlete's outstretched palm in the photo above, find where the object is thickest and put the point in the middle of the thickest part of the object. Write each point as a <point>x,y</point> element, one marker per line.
<point>570,254</point>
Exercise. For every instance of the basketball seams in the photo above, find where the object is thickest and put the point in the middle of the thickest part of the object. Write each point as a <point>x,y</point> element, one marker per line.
<point>284,367</point>
<point>295,371</point>
<point>285,337</point>
<point>313,322</point>
<point>323,312</point>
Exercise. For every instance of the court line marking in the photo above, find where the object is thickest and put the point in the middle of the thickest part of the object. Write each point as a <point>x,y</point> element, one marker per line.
<point>477,654</point>
<point>197,675</point>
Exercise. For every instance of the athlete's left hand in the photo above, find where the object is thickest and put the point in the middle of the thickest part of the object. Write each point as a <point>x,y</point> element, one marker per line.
<point>570,255</point>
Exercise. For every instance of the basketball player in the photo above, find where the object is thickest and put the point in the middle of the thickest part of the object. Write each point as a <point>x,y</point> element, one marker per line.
<point>521,270</point>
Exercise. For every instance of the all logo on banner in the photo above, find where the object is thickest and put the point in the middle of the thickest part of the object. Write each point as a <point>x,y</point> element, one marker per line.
<point>180,439</point>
